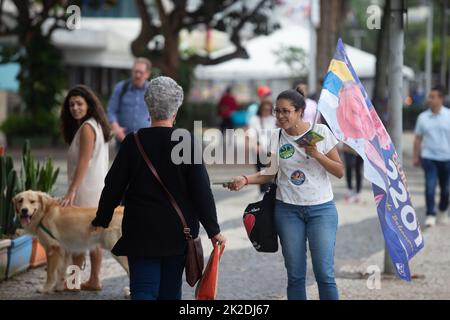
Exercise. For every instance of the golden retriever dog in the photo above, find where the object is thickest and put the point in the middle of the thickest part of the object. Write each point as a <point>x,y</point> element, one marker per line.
<point>63,232</point>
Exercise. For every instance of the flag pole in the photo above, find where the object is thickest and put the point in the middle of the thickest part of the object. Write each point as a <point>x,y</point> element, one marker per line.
<point>395,87</point>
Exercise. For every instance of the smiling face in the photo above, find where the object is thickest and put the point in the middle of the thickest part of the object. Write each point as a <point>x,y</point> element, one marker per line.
<point>78,107</point>
<point>286,114</point>
<point>26,205</point>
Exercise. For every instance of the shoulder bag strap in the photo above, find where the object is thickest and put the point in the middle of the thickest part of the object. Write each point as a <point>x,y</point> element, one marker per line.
<point>186,229</point>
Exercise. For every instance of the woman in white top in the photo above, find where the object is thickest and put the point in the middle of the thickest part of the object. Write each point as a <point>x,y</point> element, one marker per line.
<point>304,208</point>
<point>86,130</point>
<point>260,127</point>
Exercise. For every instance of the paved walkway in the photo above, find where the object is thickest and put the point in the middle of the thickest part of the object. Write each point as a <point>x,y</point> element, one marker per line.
<point>246,274</point>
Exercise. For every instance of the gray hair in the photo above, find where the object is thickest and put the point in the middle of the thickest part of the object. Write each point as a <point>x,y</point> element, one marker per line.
<point>163,97</point>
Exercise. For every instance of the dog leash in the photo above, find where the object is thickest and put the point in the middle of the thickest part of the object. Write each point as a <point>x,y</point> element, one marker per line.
<point>40,225</point>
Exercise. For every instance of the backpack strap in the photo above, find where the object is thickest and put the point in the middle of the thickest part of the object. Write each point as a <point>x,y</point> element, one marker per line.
<point>124,89</point>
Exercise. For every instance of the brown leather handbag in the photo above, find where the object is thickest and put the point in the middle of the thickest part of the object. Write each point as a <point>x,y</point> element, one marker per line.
<point>194,255</point>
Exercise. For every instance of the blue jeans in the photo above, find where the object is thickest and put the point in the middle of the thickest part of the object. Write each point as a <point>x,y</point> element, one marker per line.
<point>434,171</point>
<point>156,278</point>
<point>318,223</point>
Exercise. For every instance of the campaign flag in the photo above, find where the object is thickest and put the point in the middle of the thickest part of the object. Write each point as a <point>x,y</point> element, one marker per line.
<point>346,107</point>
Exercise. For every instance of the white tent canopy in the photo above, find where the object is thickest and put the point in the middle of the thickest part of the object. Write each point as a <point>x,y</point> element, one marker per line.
<point>263,63</point>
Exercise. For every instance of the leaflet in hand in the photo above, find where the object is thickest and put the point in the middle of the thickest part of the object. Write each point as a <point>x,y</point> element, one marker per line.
<point>309,138</point>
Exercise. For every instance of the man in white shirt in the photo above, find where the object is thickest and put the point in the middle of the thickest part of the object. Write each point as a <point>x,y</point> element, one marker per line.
<point>432,152</point>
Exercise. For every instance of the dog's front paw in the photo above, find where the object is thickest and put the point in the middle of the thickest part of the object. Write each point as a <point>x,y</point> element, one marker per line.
<point>60,287</point>
<point>45,290</point>
<point>126,292</point>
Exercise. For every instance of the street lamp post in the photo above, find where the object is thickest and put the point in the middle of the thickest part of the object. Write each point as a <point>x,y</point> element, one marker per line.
<point>395,84</point>
<point>429,52</point>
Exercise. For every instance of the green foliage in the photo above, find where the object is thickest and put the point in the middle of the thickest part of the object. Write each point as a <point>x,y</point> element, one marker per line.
<point>32,176</point>
<point>294,58</point>
<point>41,75</point>
<point>8,188</point>
<point>43,123</point>
<point>35,177</point>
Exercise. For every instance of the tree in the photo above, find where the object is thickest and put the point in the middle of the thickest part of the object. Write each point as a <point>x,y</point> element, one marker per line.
<point>41,76</point>
<point>332,18</point>
<point>162,22</point>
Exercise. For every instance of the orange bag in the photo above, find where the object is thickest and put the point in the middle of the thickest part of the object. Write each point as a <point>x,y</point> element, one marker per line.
<point>207,286</point>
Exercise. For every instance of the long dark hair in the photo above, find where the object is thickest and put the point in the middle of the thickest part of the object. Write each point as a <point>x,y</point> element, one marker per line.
<point>261,106</point>
<point>69,126</point>
<point>296,97</point>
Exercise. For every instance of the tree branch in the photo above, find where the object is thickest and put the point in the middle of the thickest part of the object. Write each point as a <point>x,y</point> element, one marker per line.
<point>235,34</point>
<point>240,52</point>
<point>148,31</point>
<point>177,16</point>
<point>206,11</point>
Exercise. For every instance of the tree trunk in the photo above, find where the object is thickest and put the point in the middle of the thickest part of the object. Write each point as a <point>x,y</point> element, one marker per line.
<point>381,76</point>
<point>170,61</point>
<point>332,16</point>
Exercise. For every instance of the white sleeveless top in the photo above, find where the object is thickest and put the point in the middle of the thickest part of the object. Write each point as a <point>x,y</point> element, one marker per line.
<point>90,189</point>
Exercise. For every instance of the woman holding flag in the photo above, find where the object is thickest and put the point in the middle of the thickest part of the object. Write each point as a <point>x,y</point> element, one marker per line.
<point>304,209</point>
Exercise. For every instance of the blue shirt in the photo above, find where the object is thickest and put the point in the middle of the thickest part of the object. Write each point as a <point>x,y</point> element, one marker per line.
<point>435,132</point>
<point>131,111</point>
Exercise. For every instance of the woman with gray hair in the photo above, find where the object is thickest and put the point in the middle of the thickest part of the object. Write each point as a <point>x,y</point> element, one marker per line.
<point>152,233</point>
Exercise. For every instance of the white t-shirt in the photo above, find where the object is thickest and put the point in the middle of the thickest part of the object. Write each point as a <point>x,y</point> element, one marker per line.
<point>303,180</point>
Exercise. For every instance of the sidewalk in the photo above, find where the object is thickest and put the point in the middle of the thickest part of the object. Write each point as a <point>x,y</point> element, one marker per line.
<point>246,274</point>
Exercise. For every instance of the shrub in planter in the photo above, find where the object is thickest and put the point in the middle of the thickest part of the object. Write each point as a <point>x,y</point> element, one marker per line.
<point>32,176</point>
<point>41,128</point>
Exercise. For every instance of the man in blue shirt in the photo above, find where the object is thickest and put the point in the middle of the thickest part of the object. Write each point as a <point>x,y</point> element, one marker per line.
<point>127,111</point>
<point>432,151</point>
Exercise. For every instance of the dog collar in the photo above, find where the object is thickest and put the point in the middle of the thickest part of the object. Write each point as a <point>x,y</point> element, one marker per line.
<point>40,225</point>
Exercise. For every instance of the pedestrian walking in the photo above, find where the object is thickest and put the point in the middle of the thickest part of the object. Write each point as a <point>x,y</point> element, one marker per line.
<point>86,130</point>
<point>432,152</point>
<point>304,208</point>
<point>153,237</point>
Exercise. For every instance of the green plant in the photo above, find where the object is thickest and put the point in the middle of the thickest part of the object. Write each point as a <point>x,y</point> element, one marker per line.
<point>8,188</point>
<point>25,125</point>
<point>35,177</point>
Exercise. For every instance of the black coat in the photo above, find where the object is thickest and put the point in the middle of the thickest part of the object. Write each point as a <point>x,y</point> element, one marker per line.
<point>150,226</point>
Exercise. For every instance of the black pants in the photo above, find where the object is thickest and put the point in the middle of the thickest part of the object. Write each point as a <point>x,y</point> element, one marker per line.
<point>353,162</point>
<point>226,124</point>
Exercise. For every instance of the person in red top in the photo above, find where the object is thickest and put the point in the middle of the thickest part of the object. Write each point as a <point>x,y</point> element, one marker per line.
<point>227,105</point>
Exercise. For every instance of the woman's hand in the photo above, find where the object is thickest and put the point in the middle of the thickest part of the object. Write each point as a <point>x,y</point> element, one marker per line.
<point>220,238</point>
<point>237,183</point>
<point>312,151</point>
<point>67,199</point>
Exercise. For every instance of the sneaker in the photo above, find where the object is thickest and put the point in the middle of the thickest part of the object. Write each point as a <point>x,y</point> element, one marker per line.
<point>442,217</point>
<point>430,221</point>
